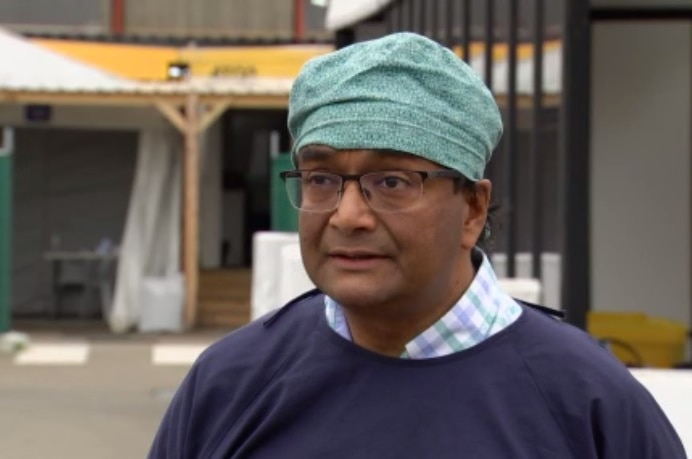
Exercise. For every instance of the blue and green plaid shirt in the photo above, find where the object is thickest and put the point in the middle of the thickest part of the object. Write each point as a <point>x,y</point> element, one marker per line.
<point>483,310</point>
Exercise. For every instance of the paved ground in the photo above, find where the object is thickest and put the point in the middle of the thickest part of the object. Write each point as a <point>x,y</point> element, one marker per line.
<point>87,394</point>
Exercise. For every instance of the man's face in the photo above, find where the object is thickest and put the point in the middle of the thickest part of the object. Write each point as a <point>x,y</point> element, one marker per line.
<point>366,259</point>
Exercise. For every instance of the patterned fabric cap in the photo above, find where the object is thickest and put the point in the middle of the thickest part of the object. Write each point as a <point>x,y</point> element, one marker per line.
<point>401,92</point>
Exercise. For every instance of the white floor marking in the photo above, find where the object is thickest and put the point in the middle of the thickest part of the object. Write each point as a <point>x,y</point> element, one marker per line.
<point>53,354</point>
<point>176,354</point>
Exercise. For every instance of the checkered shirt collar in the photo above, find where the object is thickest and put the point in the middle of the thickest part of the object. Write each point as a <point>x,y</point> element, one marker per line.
<point>483,310</point>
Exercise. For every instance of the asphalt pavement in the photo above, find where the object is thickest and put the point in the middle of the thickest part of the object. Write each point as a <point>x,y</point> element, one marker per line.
<point>90,395</point>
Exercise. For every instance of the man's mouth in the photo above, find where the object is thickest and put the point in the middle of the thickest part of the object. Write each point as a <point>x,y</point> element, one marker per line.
<point>356,255</point>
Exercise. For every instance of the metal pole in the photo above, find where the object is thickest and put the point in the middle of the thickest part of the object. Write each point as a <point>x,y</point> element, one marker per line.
<point>466,32</point>
<point>410,12</point>
<point>575,162</point>
<point>402,16</point>
<point>489,42</point>
<point>434,18</point>
<point>510,188</point>
<point>6,149</point>
<point>535,160</point>
<point>393,18</point>
<point>449,24</point>
<point>417,17</point>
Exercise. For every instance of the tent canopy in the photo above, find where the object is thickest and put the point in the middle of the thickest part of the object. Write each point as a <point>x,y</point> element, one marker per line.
<point>31,68</point>
<point>39,75</point>
<point>345,13</point>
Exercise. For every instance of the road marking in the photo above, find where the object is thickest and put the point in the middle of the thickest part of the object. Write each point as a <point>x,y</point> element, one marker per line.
<point>53,354</point>
<point>176,354</point>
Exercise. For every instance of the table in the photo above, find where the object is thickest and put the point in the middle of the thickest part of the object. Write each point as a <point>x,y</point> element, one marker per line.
<point>89,270</point>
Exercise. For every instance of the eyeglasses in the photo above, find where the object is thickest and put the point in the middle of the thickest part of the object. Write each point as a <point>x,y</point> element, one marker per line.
<point>384,191</point>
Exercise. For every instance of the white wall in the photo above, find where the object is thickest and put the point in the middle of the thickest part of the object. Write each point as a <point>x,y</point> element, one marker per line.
<point>640,168</point>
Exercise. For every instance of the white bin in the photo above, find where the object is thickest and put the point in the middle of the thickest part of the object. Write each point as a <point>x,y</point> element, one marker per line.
<point>294,279</point>
<point>162,300</point>
<point>266,270</point>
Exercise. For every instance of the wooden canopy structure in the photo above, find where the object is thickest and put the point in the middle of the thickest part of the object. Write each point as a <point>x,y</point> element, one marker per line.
<point>191,109</point>
<point>38,76</point>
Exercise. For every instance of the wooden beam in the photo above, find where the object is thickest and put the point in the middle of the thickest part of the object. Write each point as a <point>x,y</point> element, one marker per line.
<point>100,99</point>
<point>250,101</point>
<point>214,112</point>
<point>172,114</point>
<point>191,196</point>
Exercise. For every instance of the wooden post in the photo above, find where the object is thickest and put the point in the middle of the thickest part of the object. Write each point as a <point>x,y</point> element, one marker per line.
<point>191,192</point>
<point>192,124</point>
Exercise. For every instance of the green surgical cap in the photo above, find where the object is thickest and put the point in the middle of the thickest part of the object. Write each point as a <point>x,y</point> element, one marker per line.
<point>401,92</point>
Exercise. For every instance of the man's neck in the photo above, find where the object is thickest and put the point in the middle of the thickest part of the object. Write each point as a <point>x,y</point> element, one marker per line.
<point>387,329</point>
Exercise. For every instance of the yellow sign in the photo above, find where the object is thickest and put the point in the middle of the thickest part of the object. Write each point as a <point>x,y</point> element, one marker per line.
<point>265,61</point>
<point>144,62</point>
<point>501,50</point>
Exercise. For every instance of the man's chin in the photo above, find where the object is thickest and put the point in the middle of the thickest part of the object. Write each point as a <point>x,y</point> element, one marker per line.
<point>356,295</point>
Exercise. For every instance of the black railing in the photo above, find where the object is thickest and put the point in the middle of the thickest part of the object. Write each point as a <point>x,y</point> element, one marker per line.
<point>511,151</point>
<point>542,172</point>
<point>494,24</point>
<point>535,160</point>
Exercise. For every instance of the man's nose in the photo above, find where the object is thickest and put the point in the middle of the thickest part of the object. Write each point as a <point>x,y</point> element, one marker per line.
<point>353,211</point>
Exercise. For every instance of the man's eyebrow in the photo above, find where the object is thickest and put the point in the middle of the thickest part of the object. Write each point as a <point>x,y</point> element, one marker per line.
<point>315,153</point>
<point>395,154</point>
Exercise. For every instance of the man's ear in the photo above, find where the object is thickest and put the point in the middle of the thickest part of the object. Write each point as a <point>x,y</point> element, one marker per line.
<point>477,204</point>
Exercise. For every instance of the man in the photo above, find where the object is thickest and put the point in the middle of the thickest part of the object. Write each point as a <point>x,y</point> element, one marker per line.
<point>409,349</point>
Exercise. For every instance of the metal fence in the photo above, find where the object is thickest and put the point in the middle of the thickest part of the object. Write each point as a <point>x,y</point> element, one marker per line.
<point>542,170</point>
<point>527,155</point>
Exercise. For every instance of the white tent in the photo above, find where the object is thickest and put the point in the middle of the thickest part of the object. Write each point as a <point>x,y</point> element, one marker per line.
<point>28,67</point>
<point>33,72</point>
<point>345,13</point>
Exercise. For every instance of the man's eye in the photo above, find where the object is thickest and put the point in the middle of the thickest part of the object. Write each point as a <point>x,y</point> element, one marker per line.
<point>393,182</point>
<point>320,180</point>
